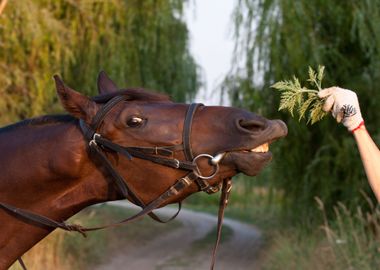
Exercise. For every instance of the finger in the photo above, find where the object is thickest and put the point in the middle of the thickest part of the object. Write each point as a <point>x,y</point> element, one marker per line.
<point>326,92</point>
<point>327,106</point>
<point>339,117</point>
<point>337,113</point>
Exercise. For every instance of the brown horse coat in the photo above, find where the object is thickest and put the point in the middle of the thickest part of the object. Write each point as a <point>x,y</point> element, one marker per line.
<point>45,165</point>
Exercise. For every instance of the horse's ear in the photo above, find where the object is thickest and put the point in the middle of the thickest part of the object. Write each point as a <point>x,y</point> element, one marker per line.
<point>105,84</point>
<point>76,104</point>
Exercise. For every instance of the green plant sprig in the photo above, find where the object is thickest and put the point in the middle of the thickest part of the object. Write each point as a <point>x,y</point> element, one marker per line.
<point>299,98</point>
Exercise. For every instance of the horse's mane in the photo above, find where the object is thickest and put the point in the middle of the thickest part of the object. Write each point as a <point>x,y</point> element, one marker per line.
<point>41,120</point>
<point>134,94</point>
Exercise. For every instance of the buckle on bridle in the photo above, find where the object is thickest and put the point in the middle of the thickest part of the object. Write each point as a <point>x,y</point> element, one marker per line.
<point>93,141</point>
<point>176,163</point>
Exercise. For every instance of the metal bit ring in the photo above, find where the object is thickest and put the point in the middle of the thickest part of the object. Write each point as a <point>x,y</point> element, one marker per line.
<point>215,166</point>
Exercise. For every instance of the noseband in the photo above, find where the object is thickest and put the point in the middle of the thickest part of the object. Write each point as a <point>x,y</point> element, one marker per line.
<point>163,155</point>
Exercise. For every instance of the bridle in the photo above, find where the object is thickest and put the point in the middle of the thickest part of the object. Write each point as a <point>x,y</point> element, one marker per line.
<point>157,154</point>
<point>163,155</point>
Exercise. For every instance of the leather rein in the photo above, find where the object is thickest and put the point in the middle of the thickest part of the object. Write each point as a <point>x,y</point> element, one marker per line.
<point>163,155</point>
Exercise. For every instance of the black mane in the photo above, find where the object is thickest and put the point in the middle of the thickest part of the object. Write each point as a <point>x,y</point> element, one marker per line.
<point>133,94</point>
<point>137,94</point>
<point>41,120</point>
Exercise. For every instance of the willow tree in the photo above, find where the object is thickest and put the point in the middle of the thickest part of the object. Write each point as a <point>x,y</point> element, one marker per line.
<point>139,43</point>
<point>281,38</point>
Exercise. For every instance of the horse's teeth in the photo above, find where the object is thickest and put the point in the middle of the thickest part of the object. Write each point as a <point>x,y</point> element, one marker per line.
<point>261,148</point>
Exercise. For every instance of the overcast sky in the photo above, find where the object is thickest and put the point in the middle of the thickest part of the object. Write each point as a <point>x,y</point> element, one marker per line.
<point>209,22</point>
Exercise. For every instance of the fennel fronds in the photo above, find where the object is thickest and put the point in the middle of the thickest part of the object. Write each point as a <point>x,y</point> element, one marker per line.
<point>299,98</point>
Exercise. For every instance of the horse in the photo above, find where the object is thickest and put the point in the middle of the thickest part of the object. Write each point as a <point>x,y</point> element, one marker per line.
<point>122,143</point>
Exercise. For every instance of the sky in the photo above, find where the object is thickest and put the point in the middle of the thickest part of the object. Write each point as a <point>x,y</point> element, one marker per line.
<point>211,44</point>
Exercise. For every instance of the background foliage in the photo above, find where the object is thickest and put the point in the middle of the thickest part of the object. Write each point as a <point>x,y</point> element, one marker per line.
<point>139,43</point>
<point>279,38</point>
<point>145,43</point>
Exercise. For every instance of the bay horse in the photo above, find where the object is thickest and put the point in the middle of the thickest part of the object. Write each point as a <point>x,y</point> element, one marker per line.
<point>128,143</point>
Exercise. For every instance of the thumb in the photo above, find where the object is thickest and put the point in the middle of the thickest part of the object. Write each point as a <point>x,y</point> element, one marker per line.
<point>329,103</point>
<point>326,92</point>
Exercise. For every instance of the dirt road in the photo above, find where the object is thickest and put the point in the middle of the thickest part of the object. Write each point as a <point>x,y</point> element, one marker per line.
<point>185,248</point>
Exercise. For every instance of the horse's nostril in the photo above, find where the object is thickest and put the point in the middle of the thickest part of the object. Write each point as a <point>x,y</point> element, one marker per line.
<point>252,125</point>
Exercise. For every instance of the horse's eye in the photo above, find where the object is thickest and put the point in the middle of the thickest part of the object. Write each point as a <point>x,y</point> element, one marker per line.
<point>134,121</point>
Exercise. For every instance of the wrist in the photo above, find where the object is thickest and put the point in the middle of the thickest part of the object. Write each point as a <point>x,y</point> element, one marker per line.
<point>358,127</point>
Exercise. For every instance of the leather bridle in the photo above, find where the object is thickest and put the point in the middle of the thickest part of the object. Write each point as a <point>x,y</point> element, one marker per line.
<point>157,154</point>
<point>163,155</point>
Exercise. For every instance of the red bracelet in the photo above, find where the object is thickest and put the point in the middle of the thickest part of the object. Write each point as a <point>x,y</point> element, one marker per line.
<point>359,126</point>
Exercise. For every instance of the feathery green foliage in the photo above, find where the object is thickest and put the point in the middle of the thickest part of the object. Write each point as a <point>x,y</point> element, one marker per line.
<point>295,96</point>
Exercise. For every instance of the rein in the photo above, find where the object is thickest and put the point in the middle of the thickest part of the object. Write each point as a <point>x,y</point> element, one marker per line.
<point>163,155</point>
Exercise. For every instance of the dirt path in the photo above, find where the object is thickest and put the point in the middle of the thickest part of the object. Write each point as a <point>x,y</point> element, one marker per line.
<point>183,248</point>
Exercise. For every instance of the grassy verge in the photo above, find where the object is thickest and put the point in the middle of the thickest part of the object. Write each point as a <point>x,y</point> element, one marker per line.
<point>63,251</point>
<point>349,240</point>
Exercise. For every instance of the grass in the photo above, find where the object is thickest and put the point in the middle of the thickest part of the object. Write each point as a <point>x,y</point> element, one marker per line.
<point>348,240</point>
<point>70,251</point>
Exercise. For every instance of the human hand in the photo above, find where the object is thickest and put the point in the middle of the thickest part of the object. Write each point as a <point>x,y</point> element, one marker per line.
<point>344,106</point>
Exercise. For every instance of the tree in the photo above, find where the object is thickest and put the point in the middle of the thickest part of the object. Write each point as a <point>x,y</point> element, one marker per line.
<point>281,38</point>
<point>139,43</point>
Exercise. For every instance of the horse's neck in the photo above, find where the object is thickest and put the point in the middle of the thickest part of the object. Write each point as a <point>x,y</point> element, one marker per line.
<point>44,169</point>
<point>46,161</point>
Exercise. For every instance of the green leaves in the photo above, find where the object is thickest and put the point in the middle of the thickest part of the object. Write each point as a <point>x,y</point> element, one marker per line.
<point>275,40</point>
<point>305,101</point>
<point>138,43</point>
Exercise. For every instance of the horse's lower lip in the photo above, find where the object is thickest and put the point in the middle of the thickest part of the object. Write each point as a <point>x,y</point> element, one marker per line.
<point>250,160</point>
<point>249,163</point>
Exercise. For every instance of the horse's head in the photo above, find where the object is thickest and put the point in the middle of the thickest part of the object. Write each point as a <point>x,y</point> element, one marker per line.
<point>235,140</point>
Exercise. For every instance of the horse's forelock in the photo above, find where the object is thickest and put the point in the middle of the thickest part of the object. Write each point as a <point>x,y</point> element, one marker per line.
<point>137,94</point>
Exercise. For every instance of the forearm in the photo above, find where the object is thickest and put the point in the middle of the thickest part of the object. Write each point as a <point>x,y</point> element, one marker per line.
<point>370,156</point>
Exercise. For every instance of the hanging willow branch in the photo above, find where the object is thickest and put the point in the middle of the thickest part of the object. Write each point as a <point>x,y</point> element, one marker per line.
<point>125,38</point>
<point>294,96</point>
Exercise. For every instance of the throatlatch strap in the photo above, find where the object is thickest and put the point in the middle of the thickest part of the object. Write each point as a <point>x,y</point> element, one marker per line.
<point>122,184</point>
<point>118,179</point>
